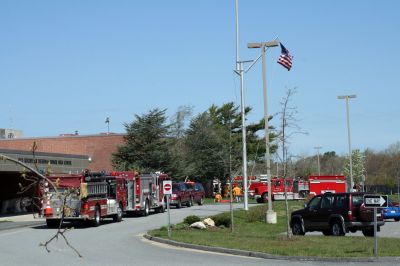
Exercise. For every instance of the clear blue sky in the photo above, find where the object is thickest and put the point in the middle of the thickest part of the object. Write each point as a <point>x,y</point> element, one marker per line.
<point>67,65</point>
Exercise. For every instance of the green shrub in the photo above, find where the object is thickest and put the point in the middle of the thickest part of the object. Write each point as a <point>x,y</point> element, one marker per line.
<point>222,219</point>
<point>191,219</point>
<point>256,214</point>
<point>180,226</point>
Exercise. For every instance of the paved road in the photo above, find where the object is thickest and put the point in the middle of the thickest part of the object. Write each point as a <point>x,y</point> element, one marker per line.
<point>121,244</point>
<point>390,229</point>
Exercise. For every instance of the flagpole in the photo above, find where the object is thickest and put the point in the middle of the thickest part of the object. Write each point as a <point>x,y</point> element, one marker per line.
<point>237,35</point>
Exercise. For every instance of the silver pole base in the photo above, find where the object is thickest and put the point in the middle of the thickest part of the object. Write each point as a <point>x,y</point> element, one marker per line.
<point>271,217</point>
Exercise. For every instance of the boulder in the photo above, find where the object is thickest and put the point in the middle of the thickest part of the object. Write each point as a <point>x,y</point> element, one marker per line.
<point>198,225</point>
<point>209,222</point>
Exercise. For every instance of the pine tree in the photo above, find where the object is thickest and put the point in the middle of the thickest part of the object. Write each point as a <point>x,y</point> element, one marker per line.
<point>146,144</point>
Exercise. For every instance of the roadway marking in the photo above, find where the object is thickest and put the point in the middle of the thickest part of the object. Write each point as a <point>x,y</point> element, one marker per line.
<point>167,246</point>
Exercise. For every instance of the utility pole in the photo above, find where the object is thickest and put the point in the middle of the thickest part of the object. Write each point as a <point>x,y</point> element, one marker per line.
<point>319,167</point>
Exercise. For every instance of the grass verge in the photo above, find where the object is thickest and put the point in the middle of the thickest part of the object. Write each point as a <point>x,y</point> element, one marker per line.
<point>252,234</point>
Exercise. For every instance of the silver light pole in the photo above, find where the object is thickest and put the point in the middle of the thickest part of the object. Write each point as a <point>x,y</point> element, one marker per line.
<point>319,167</point>
<point>347,97</point>
<point>240,72</point>
<point>108,124</point>
<point>271,215</point>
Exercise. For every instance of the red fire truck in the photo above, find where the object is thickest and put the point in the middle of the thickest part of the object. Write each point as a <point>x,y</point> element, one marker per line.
<point>296,188</point>
<point>101,195</point>
<point>144,192</point>
<point>322,184</point>
<point>95,196</point>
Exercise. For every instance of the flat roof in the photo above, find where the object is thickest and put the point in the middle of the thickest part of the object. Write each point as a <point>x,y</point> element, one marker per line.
<point>67,136</point>
<point>75,156</point>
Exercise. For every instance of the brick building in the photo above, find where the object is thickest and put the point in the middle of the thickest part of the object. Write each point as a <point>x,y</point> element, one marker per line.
<point>99,147</point>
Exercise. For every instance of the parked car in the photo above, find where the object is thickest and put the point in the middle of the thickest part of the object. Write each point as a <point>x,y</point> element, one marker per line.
<point>198,193</point>
<point>335,214</point>
<point>392,211</point>
<point>181,195</point>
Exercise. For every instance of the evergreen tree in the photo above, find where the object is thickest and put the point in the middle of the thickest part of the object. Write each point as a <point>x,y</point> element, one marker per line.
<point>206,157</point>
<point>146,144</point>
<point>214,141</point>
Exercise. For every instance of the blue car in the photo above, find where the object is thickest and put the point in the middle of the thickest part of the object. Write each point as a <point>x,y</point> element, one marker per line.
<point>392,211</point>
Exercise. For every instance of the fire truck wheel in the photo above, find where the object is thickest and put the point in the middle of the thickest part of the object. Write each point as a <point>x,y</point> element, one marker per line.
<point>201,202</point>
<point>179,204</point>
<point>146,210</point>
<point>96,220</point>
<point>259,200</point>
<point>161,209</point>
<point>265,197</point>
<point>189,203</point>
<point>118,217</point>
<point>53,223</point>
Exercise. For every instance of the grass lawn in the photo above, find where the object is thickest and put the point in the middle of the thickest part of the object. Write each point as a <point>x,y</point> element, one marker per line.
<point>251,233</point>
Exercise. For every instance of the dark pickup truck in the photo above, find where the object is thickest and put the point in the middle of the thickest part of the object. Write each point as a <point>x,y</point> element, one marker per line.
<point>336,214</point>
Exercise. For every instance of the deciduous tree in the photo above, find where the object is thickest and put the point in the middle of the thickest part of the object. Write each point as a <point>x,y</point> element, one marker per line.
<point>358,166</point>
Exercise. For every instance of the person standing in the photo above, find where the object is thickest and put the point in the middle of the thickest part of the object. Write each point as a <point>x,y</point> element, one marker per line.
<point>237,192</point>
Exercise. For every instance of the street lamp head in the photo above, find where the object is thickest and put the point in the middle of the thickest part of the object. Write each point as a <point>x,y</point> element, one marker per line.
<point>347,96</point>
<point>254,45</point>
<point>271,44</point>
<point>262,44</point>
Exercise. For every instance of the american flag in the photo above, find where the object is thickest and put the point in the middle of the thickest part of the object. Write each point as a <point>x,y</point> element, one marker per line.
<point>285,59</point>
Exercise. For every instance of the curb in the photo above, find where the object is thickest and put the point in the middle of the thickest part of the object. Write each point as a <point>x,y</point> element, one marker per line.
<point>262,255</point>
<point>13,225</point>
